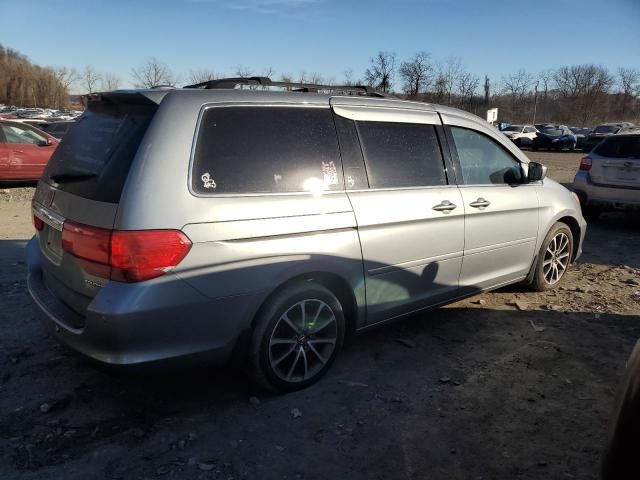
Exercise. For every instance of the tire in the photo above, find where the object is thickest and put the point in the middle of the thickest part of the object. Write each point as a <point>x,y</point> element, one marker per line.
<point>550,267</point>
<point>288,352</point>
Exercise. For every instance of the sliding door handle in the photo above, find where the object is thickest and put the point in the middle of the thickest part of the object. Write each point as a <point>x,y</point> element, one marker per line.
<point>446,206</point>
<point>480,203</point>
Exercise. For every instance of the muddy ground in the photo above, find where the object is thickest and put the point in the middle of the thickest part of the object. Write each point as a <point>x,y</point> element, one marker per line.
<point>484,389</point>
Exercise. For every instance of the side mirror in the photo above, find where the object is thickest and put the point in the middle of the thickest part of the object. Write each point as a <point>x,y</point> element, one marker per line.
<point>537,172</point>
<point>46,143</point>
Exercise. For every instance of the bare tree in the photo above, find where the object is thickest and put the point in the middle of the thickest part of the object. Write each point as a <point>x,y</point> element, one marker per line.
<point>269,72</point>
<point>583,87</point>
<point>629,83</point>
<point>315,78</point>
<point>381,70</point>
<point>545,78</point>
<point>202,75</point>
<point>66,76</point>
<point>518,84</point>
<point>243,72</point>
<point>417,73</point>
<point>467,86</point>
<point>90,79</point>
<point>348,77</point>
<point>448,77</point>
<point>110,81</point>
<point>153,73</point>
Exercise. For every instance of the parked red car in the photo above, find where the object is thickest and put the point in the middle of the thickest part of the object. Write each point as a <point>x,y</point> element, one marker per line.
<point>24,151</point>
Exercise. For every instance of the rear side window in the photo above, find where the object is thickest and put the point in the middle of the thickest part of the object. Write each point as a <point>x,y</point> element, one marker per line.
<point>22,135</point>
<point>93,159</point>
<point>620,147</point>
<point>401,154</point>
<point>266,150</point>
<point>482,160</point>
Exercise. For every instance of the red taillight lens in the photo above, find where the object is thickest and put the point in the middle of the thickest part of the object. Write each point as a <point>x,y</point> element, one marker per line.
<point>145,254</point>
<point>38,223</point>
<point>585,164</point>
<point>125,256</point>
<point>90,244</point>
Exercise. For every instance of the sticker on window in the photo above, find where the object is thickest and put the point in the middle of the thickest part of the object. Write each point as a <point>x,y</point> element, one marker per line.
<point>330,173</point>
<point>207,181</point>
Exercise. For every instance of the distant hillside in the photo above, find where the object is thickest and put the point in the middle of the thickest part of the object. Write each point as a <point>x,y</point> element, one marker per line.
<point>24,84</point>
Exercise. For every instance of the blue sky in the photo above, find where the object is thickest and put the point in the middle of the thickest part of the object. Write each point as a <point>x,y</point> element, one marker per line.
<point>492,37</point>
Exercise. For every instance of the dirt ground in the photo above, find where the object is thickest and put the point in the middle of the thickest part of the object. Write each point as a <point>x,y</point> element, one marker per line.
<point>508,385</point>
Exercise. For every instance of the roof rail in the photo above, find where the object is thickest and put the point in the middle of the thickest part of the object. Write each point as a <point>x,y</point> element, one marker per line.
<point>293,86</point>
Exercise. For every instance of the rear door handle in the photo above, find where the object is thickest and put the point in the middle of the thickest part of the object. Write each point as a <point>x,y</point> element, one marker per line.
<point>480,203</point>
<point>446,206</point>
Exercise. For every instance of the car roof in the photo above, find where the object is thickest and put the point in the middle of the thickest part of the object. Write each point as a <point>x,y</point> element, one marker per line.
<point>276,97</point>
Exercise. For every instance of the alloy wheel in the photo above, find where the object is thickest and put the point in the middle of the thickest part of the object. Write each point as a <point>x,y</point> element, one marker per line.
<point>556,258</point>
<point>303,340</point>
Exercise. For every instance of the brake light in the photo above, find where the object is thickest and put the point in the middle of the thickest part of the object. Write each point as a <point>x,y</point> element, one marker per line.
<point>125,256</point>
<point>145,254</point>
<point>37,222</point>
<point>585,164</point>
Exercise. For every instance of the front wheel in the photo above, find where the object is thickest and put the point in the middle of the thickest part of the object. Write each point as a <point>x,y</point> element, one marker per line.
<point>298,334</point>
<point>553,259</point>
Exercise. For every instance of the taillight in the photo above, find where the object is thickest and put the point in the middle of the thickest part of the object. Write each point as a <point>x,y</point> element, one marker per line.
<point>90,245</point>
<point>125,256</point>
<point>145,254</point>
<point>37,222</point>
<point>585,164</point>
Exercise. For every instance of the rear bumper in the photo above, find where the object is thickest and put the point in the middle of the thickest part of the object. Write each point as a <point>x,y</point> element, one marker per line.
<point>145,323</point>
<point>602,196</point>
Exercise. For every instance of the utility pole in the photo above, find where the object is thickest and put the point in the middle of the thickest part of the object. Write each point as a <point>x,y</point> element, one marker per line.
<point>535,102</point>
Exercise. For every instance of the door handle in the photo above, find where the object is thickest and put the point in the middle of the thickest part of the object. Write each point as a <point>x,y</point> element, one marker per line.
<point>446,206</point>
<point>480,203</point>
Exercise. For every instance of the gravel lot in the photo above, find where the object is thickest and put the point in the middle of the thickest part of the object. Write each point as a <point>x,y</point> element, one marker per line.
<point>511,384</point>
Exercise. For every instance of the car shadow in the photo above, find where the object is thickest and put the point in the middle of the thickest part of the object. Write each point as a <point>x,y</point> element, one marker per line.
<point>451,391</point>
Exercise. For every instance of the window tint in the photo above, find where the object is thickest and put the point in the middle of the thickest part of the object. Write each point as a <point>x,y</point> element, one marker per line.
<point>97,153</point>
<point>266,150</point>
<point>620,147</point>
<point>355,175</point>
<point>482,160</point>
<point>606,129</point>
<point>18,134</point>
<point>401,154</point>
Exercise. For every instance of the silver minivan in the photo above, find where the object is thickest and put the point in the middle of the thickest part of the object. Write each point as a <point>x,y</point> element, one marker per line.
<point>265,227</point>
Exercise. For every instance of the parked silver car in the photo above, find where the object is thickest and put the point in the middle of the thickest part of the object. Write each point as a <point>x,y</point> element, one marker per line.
<point>267,226</point>
<point>609,177</point>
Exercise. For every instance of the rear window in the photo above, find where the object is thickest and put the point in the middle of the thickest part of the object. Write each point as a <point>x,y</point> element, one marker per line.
<point>619,147</point>
<point>93,159</point>
<point>606,129</point>
<point>266,150</point>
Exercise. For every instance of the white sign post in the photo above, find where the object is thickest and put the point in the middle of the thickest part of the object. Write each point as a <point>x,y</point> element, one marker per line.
<point>492,115</point>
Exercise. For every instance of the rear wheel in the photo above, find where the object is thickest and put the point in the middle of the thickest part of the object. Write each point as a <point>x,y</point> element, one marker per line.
<point>298,334</point>
<point>554,258</point>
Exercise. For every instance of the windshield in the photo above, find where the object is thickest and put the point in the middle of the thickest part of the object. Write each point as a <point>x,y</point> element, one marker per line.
<point>97,153</point>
